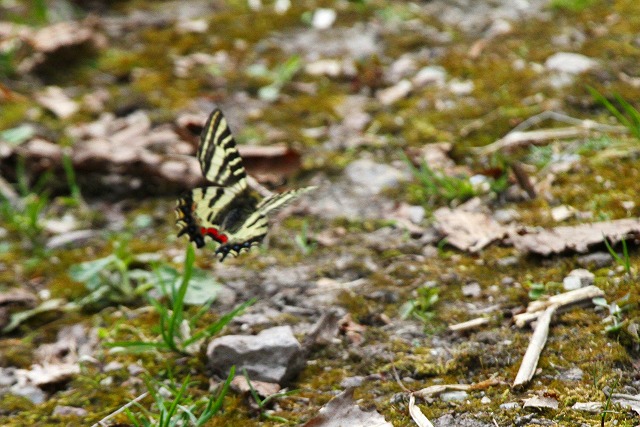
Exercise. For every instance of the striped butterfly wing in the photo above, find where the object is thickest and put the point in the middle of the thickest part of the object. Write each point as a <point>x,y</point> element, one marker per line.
<point>255,226</point>
<point>227,211</point>
<point>203,212</point>
<point>218,155</point>
<point>200,212</point>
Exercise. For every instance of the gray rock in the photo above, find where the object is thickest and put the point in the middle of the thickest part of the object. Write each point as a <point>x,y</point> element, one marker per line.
<point>454,396</point>
<point>570,63</point>
<point>31,392</point>
<point>596,260</point>
<point>69,410</point>
<point>472,290</point>
<point>507,261</point>
<point>274,355</point>
<point>578,278</point>
<point>510,405</point>
<point>459,420</point>
<point>7,377</point>
<point>573,374</point>
<point>394,93</point>
<point>431,75</point>
<point>112,366</point>
<point>372,177</point>
<point>352,382</point>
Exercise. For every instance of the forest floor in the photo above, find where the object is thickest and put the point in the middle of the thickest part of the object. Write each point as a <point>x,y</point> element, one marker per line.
<point>472,160</point>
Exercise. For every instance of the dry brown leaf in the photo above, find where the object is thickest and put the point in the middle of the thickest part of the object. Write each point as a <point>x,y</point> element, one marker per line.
<point>468,231</point>
<point>264,389</point>
<point>18,297</point>
<point>351,329</point>
<point>55,100</point>
<point>271,164</point>
<point>537,402</point>
<point>342,411</point>
<point>577,238</point>
<point>50,41</point>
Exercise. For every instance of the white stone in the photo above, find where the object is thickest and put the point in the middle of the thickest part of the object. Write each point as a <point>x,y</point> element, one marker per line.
<point>562,212</point>
<point>394,93</point>
<point>461,87</point>
<point>578,278</point>
<point>432,75</point>
<point>323,18</point>
<point>570,63</point>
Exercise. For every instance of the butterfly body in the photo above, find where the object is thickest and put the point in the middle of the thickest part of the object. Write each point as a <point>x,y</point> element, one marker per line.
<point>226,211</point>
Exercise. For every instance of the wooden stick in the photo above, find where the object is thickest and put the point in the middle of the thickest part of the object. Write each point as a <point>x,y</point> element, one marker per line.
<point>113,414</point>
<point>561,301</point>
<point>534,137</point>
<point>518,136</point>
<point>469,324</point>
<point>416,414</point>
<point>532,355</point>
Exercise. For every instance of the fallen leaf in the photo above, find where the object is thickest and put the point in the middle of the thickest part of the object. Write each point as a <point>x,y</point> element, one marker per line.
<point>537,402</point>
<point>628,401</point>
<point>468,231</point>
<point>270,164</point>
<point>342,411</point>
<point>55,100</point>
<point>264,389</point>
<point>578,238</point>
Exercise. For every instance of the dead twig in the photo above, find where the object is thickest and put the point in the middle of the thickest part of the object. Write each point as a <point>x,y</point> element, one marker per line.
<point>416,414</point>
<point>469,324</point>
<point>532,355</point>
<point>562,302</point>
<point>103,421</point>
<point>518,137</point>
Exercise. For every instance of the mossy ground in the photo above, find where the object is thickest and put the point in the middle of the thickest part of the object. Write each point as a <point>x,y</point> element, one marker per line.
<point>607,174</point>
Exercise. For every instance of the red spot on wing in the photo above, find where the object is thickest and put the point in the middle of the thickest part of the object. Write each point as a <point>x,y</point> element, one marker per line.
<point>215,234</point>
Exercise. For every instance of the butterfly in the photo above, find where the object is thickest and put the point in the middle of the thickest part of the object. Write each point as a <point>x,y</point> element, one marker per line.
<point>226,210</point>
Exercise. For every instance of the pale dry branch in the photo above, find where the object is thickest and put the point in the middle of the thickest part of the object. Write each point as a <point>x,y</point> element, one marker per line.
<point>532,355</point>
<point>469,324</point>
<point>518,137</point>
<point>416,414</point>
<point>562,301</point>
<point>103,421</point>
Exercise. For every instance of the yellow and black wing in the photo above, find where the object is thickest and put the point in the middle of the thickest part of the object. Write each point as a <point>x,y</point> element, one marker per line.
<point>218,155</point>
<point>253,229</point>
<point>226,210</point>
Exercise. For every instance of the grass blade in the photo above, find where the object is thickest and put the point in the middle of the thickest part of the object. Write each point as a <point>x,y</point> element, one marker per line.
<point>214,328</point>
